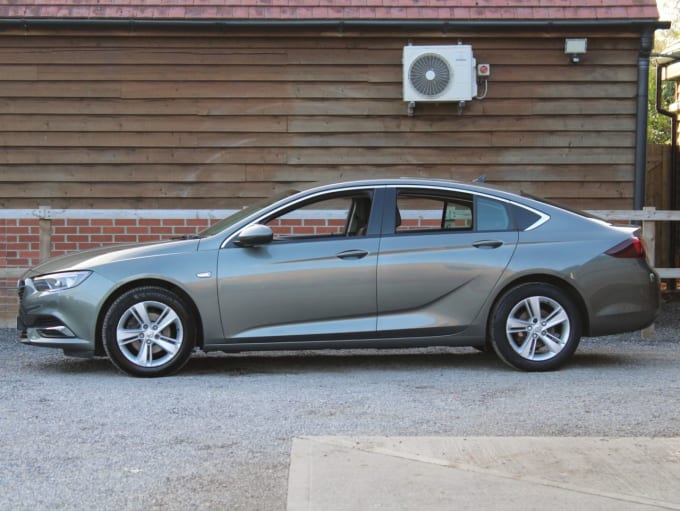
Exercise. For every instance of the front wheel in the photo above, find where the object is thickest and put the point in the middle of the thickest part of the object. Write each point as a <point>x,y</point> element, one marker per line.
<point>148,331</point>
<point>535,327</point>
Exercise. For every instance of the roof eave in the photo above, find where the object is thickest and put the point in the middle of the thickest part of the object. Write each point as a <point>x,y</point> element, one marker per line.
<point>340,24</point>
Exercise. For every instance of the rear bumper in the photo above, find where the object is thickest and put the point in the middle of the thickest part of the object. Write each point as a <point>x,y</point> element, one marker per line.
<point>630,306</point>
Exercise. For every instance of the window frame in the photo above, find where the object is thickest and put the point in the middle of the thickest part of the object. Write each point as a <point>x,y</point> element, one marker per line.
<point>372,230</point>
<point>390,201</point>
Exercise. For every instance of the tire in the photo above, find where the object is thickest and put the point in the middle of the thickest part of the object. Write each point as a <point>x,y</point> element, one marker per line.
<point>535,327</point>
<point>138,343</point>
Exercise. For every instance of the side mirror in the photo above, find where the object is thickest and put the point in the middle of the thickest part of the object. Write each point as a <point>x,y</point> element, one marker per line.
<point>254,235</point>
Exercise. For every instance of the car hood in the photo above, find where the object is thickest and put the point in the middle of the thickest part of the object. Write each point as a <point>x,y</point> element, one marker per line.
<point>91,259</point>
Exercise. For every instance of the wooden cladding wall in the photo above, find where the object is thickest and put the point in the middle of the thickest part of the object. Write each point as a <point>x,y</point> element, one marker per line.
<point>217,120</point>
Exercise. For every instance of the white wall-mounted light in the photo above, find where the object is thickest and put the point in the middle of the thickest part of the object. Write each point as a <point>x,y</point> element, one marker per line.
<point>575,48</point>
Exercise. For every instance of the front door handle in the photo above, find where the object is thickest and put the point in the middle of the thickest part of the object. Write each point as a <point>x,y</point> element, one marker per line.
<point>487,244</point>
<point>352,254</point>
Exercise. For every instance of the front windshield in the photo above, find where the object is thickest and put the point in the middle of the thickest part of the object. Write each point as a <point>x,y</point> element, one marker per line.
<point>239,215</point>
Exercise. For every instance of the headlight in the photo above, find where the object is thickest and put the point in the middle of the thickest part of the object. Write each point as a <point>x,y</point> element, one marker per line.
<point>60,281</point>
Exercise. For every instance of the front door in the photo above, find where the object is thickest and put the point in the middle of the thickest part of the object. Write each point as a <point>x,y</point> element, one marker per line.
<point>317,278</point>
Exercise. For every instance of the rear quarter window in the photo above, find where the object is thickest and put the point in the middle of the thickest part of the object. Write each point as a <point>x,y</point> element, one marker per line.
<point>523,218</point>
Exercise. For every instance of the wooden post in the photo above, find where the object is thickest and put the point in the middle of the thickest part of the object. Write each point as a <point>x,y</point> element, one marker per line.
<point>45,235</point>
<point>649,239</point>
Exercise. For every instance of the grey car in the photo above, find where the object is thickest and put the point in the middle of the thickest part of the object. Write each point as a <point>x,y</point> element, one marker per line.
<point>394,263</point>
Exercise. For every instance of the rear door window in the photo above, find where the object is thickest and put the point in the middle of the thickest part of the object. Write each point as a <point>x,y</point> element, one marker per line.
<point>422,212</point>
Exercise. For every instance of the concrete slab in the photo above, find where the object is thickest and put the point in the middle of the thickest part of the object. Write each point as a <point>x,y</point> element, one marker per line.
<point>509,473</point>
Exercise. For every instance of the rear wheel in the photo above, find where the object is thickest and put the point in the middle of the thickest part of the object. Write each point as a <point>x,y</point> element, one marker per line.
<point>535,327</point>
<point>148,332</point>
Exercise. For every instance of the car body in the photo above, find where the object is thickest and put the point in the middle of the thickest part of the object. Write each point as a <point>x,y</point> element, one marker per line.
<point>391,263</point>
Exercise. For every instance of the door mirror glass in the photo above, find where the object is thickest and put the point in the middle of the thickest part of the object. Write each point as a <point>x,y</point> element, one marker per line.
<point>254,235</point>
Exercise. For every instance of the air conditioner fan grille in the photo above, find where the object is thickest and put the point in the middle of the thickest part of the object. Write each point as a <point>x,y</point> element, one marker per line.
<point>429,75</point>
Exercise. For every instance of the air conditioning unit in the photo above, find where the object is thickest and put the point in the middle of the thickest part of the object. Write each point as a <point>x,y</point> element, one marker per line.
<point>439,73</point>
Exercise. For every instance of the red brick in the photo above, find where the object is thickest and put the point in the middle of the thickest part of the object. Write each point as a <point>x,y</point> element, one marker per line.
<point>199,222</point>
<point>69,246</point>
<point>102,221</point>
<point>79,238</point>
<point>19,262</point>
<point>125,238</point>
<point>137,230</point>
<point>78,221</point>
<point>174,221</point>
<point>125,222</point>
<point>15,230</point>
<point>314,221</point>
<point>89,230</point>
<point>102,238</point>
<point>113,230</point>
<point>65,230</point>
<point>150,221</point>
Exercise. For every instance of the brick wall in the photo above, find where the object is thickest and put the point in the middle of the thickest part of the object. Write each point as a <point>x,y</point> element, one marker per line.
<point>75,234</point>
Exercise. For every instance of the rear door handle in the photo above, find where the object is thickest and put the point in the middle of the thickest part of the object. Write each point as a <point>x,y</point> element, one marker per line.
<point>352,254</point>
<point>487,244</point>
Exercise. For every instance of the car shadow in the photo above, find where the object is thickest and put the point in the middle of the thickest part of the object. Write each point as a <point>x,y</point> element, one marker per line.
<point>602,360</point>
<point>330,362</point>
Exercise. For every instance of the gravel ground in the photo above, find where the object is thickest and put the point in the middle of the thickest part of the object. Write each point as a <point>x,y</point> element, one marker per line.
<point>76,434</point>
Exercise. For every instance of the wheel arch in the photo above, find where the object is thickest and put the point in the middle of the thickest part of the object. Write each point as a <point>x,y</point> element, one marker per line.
<point>99,347</point>
<point>544,278</point>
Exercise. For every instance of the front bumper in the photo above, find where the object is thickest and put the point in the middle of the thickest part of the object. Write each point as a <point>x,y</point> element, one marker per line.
<point>65,319</point>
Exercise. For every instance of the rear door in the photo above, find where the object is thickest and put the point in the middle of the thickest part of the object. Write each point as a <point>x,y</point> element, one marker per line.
<point>440,257</point>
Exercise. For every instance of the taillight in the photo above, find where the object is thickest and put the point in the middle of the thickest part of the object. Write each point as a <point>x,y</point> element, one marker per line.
<point>632,248</point>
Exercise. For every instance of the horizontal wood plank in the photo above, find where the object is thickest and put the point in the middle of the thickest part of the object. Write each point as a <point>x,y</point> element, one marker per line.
<point>317,156</point>
<point>263,139</point>
<point>228,173</point>
<point>364,110</point>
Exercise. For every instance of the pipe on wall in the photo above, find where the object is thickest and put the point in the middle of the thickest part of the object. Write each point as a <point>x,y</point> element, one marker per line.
<point>646,44</point>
